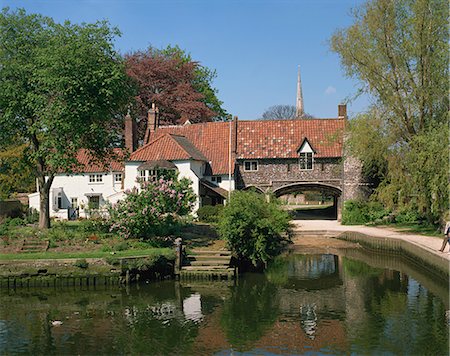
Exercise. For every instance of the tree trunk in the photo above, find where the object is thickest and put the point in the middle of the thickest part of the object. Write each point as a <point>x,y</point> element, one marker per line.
<point>44,201</point>
<point>44,209</point>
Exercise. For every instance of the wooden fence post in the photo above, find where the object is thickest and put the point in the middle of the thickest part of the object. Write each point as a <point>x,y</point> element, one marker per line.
<point>178,255</point>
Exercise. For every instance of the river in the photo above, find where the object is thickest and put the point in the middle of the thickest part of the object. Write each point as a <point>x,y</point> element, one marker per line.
<point>354,302</point>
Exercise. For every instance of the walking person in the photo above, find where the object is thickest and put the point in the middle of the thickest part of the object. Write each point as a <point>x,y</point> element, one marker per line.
<point>446,236</point>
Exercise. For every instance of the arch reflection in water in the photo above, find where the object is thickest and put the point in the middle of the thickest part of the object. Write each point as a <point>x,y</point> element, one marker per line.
<point>313,303</point>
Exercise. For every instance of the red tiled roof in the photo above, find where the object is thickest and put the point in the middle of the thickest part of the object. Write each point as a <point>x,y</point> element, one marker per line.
<point>282,138</point>
<point>210,138</point>
<point>168,147</point>
<point>88,165</point>
<point>255,139</point>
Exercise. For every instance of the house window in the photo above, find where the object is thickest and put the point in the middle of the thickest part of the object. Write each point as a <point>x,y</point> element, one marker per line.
<point>74,203</point>
<point>117,177</point>
<point>94,202</point>
<point>306,160</point>
<point>59,202</point>
<point>95,178</point>
<point>217,179</point>
<point>250,165</point>
<point>150,175</point>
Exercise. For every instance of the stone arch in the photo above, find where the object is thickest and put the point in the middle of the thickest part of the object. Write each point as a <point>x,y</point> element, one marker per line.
<point>293,187</point>
<point>254,188</point>
<point>333,190</point>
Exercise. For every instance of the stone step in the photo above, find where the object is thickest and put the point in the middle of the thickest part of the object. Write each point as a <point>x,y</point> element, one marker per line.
<point>206,268</point>
<point>216,253</point>
<point>34,246</point>
<point>210,263</point>
<point>209,257</point>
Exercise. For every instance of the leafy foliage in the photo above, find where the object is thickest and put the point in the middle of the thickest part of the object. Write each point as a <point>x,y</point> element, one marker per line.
<point>153,209</point>
<point>360,212</point>
<point>16,174</point>
<point>282,112</point>
<point>253,228</point>
<point>399,52</point>
<point>61,86</point>
<point>181,88</point>
<point>209,213</point>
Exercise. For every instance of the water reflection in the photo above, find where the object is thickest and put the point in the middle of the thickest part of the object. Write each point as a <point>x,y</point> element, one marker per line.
<point>305,303</point>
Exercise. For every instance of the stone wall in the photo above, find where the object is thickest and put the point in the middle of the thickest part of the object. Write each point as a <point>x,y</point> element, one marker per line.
<point>275,173</point>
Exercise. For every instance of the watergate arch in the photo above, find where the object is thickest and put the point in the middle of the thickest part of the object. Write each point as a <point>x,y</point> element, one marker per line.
<point>329,189</point>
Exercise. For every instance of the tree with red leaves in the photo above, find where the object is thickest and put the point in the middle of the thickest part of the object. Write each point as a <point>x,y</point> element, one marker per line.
<point>178,86</point>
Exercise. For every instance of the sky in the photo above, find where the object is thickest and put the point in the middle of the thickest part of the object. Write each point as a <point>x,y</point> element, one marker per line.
<point>255,46</point>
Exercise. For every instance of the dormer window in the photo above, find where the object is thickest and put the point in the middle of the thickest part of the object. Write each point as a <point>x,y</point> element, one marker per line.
<point>306,156</point>
<point>306,160</point>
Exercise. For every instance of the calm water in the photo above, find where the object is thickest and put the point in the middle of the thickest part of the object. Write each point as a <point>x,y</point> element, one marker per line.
<point>305,304</point>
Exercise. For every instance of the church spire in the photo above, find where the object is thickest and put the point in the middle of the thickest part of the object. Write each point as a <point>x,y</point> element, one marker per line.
<point>299,104</point>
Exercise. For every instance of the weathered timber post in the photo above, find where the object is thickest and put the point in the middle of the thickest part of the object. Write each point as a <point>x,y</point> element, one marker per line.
<point>178,255</point>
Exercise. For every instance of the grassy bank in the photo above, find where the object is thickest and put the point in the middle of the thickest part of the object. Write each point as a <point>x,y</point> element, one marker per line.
<point>151,252</point>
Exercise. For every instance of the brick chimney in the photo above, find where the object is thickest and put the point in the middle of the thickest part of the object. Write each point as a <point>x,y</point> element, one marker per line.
<point>130,133</point>
<point>235,134</point>
<point>152,122</point>
<point>342,111</point>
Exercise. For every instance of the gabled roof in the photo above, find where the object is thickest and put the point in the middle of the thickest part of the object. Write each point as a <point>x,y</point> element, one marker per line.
<point>255,140</point>
<point>168,147</point>
<point>303,144</point>
<point>210,138</point>
<point>281,138</point>
<point>87,164</point>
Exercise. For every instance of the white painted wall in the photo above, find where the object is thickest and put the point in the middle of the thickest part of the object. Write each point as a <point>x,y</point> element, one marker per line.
<point>78,186</point>
<point>131,174</point>
<point>191,169</point>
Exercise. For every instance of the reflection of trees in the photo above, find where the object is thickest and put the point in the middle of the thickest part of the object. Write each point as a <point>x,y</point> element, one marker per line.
<point>402,318</point>
<point>250,311</point>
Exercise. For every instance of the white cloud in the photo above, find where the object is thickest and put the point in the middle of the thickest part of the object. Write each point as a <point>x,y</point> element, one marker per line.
<point>330,90</point>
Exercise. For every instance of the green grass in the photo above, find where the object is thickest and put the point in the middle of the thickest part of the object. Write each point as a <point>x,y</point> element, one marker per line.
<point>421,229</point>
<point>166,252</point>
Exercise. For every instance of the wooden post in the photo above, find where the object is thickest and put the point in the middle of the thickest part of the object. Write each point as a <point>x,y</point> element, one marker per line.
<point>178,255</point>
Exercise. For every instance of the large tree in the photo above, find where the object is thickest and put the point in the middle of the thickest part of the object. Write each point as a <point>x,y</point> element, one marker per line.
<point>398,50</point>
<point>180,87</point>
<point>63,87</point>
<point>282,112</point>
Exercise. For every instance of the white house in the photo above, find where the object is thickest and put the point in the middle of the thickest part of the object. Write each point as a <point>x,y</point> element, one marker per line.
<point>199,152</point>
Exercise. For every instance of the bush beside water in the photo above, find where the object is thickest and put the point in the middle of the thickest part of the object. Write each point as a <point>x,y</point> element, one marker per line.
<point>254,229</point>
<point>209,213</point>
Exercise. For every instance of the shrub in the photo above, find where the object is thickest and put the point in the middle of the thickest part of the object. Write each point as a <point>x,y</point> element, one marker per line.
<point>122,246</point>
<point>153,209</point>
<point>16,222</point>
<point>407,216</point>
<point>209,213</point>
<point>253,228</point>
<point>81,263</point>
<point>357,212</point>
<point>113,261</point>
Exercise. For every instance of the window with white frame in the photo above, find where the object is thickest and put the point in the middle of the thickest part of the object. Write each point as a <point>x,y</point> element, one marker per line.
<point>118,177</point>
<point>74,203</point>
<point>217,179</point>
<point>250,166</point>
<point>95,178</point>
<point>306,160</point>
<point>150,175</point>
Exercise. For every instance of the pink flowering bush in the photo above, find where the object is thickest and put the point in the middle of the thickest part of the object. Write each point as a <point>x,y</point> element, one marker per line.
<point>152,210</point>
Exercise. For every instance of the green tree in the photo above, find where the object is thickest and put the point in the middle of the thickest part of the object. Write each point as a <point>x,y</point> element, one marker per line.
<point>63,87</point>
<point>16,174</point>
<point>253,228</point>
<point>202,82</point>
<point>398,50</point>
